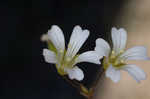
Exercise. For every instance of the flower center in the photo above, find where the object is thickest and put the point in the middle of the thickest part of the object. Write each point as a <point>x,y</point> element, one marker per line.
<point>113,59</point>
<point>64,62</point>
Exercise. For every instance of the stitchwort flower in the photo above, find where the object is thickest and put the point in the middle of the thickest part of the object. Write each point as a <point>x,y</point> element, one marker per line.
<point>66,60</point>
<point>115,59</point>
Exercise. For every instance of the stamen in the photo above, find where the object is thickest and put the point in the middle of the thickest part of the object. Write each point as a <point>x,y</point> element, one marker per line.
<point>113,52</point>
<point>61,51</point>
<point>113,55</point>
<point>122,61</point>
<point>69,45</point>
<point>68,59</point>
<point>116,63</point>
<point>121,51</point>
<point>115,60</point>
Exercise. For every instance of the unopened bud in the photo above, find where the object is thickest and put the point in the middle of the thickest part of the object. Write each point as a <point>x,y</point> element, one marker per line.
<point>44,38</point>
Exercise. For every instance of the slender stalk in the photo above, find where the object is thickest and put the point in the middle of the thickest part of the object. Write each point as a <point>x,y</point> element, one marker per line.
<point>80,87</point>
<point>94,85</point>
<point>71,82</point>
<point>88,93</point>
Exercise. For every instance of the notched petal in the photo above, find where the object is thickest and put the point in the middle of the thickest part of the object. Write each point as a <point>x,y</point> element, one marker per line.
<point>119,38</point>
<point>113,74</point>
<point>77,39</point>
<point>102,47</point>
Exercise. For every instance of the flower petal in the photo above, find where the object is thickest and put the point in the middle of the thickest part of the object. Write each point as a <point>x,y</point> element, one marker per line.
<point>135,53</point>
<point>113,74</point>
<point>102,47</point>
<point>136,72</point>
<point>75,73</point>
<point>56,36</point>
<point>77,39</point>
<point>49,56</point>
<point>89,56</point>
<point>119,38</point>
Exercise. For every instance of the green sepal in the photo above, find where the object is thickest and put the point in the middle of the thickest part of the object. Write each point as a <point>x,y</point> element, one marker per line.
<point>52,47</point>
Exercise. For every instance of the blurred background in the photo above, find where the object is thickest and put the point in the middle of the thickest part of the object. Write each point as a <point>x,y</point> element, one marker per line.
<point>134,16</point>
<point>23,71</point>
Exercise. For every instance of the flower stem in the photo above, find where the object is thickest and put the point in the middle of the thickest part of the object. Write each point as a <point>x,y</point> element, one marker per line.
<point>99,75</point>
<point>97,80</point>
<point>84,91</point>
<point>80,87</point>
<point>71,82</point>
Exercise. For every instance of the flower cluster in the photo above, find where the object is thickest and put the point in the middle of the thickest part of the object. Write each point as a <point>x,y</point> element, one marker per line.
<point>114,59</point>
<point>66,59</point>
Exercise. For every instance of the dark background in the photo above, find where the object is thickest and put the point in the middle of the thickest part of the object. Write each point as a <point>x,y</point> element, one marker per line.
<point>23,72</point>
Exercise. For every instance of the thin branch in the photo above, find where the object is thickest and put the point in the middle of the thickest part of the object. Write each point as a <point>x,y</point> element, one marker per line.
<point>71,82</point>
<point>78,86</point>
<point>94,85</point>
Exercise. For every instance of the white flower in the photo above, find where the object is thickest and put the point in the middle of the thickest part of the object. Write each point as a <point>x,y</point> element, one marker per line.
<point>115,59</point>
<point>66,60</point>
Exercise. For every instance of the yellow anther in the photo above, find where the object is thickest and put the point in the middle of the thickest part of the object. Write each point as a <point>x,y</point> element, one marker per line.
<point>68,59</point>
<point>116,62</point>
<point>112,56</point>
<point>113,52</point>
<point>121,51</point>
<point>122,61</point>
<point>61,51</point>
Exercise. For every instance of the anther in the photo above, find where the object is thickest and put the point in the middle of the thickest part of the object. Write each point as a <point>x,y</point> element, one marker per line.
<point>121,51</point>
<point>68,59</point>
<point>113,52</point>
<point>61,51</point>
<point>69,45</point>
<point>116,63</point>
<point>113,55</point>
<point>122,61</point>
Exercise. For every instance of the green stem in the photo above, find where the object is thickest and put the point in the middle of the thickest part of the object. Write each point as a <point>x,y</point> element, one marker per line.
<point>88,93</point>
<point>82,89</point>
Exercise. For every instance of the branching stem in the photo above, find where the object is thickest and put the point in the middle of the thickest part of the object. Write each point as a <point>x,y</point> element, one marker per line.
<point>84,91</point>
